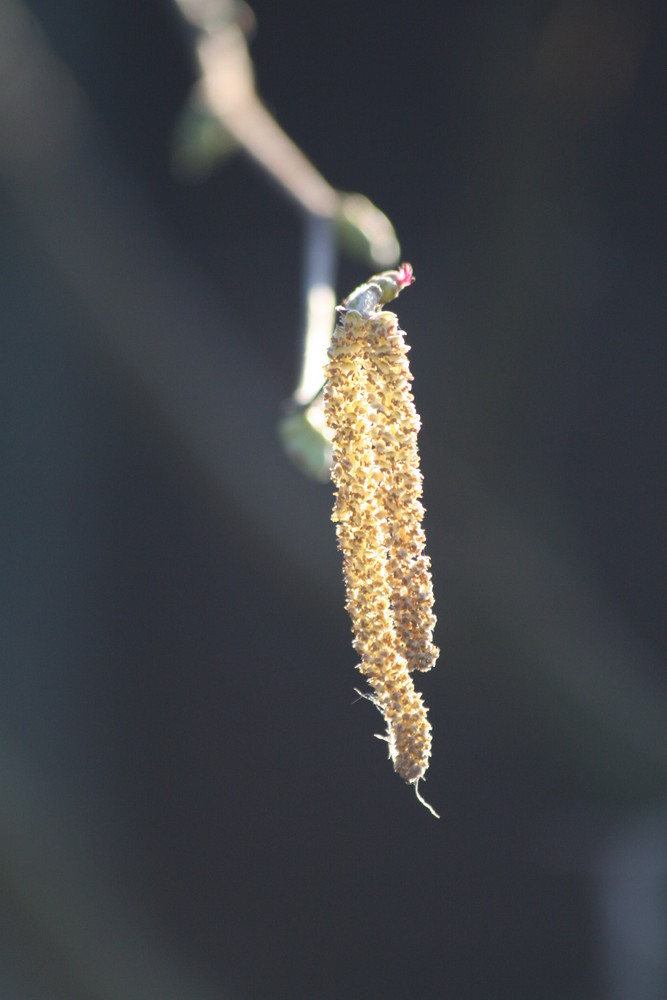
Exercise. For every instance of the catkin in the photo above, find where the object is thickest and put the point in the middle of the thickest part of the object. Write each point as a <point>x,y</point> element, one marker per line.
<point>373,423</point>
<point>395,426</point>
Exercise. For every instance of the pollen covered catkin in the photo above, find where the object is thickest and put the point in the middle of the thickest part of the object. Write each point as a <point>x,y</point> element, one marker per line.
<point>371,417</point>
<point>395,426</point>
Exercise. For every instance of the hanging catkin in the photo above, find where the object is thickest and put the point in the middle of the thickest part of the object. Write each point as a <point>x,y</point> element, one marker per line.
<point>371,417</point>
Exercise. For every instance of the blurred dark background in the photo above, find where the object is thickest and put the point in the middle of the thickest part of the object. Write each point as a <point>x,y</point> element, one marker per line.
<point>192,801</point>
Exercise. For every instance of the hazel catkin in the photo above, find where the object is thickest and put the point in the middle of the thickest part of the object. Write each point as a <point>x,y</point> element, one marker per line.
<point>373,423</point>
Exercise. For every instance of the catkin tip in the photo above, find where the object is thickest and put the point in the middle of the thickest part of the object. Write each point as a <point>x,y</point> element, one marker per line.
<point>424,802</point>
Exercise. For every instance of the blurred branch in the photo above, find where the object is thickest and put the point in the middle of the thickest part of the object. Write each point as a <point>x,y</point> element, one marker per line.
<point>224,110</point>
<point>227,90</point>
<point>226,95</point>
<point>142,297</point>
<point>302,428</point>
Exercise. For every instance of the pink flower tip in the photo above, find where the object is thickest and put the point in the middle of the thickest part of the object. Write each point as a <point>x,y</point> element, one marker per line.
<point>405,276</point>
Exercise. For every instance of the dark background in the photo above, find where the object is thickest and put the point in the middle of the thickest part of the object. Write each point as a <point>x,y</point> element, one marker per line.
<point>194,805</point>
